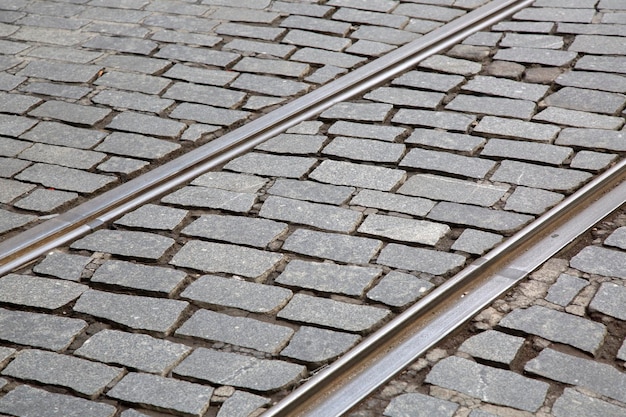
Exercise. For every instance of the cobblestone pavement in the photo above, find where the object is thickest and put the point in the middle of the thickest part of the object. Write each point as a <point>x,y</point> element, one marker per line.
<point>219,297</point>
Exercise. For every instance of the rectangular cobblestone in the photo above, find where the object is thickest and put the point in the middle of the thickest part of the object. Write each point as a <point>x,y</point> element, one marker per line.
<point>146,124</point>
<point>447,162</point>
<point>142,83</point>
<point>599,260</point>
<point>536,152</point>
<point>398,289</point>
<point>316,40</point>
<point>38,292</point>
<point>304,9</point>
<point>211,290</point>
<point>316,25</point>
<point>602,63</point>
<point>10,220</point>
<point>15,125</point>
<point>56,90</point>
<point>272,66</point>
<point>402,229</point>
<point>230,259</point>
<point>437,119</point>
<point>207,114</point>
<point>598,45</point>
<point>26,401</point>
<point>375,6</point>
<point>260,48</point>
<point>386,35</point>
<point>337,247</point>
<point>365,149</point>
<point>351,174</point>
<point>566,287</point>
<point>161,393</point>
<point>291,143</point>
<point>575,404</point>
<point>311,191</point>
<point>235,229</point>
<point>82,376</point>
<point>173,36</point>
<point>62,72</point>
<point>536,176</point>
<point>205,197</point>
<point>230,182</point>
<point>532,200</point>
<point>10,190</point>
<point>118,44</point>
<point>593,81</point>
<point>429,80</point>
<point>540,132</point>
<point>371,112</point>
<point>392,202</point>
<point>480,217</point>
<point>11,147</point>
<point>555,58</point>
<point>200,75</point>
<point>142,277</point>
<point>593,138</point>
<point>62,265</point>
<point>64,156</point>
<point>62,178</point>
<point>532,41</point>
<point>445,140</point>
<point>181,22</point>
<point>55,133</point>
<point>419,259</point>
<point>17,103</point>
<point>125,243</point>
<point>556,14</point>
<point>610,300</point>
<point>239,331</point>
<point>370,17</point>
<point>442,14</point>
<point>323,57</point>
<point>238,30</point>
<point>199,55</point>
<point>452,189</point>
<point>271,165</point>
<point>405,97</point>
<point>70,112</point>
<point>476,241</point>
<point>132,101</point>
<point>451,65</point>
<point>586,100</point>
<point>237,14</point>
<point>241,404</point>
<point>138,146</point>
<point>8,168</point>
<point>212,96</point>
<point>521,109</point>
<point>419,405</point>
<point>386,133</point>
<point>506,88</point>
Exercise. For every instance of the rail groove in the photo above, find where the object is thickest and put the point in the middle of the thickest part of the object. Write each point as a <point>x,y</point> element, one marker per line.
<point>25,247</point>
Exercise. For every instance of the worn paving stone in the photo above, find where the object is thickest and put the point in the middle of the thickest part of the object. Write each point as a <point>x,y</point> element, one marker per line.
<point>480,217</point>
<point>194,196</point>
<point>200,75</point>
<point>532,41</point>
<point>63,156</point>
<point>593,81</point>
<point>361,130</point>
<point>314,40</point>
<point>451,189</point>
<point>402,229</point>
<point>406,98</point>
<point>85,377</point>
<point>270,85</point>
<point>593,138</point>
<point>550,57</point>
<point>199,55</point>
<point>70,112</point>
<point>366,112</point>
<point>321,216</point>
<point>241,404</point>
<point>575,404</point>
<point>602,63</point>
<point>38,292</point>
<point>429,80</point>
<point>146,124</point>
<point>337,247</point>
<point>204,94</point>
<point>141,83</point>
<point>602,261</point>
<point>45,200</point>
<point>62,265</point>
<point>9,166</point>
<point>506,88</point>
<point>290,143</point>
<point>598,45</point>
<point>436,119</point>
<point>225,368</point>
<point>592,161</point>
<point>419,259</point>
<point>17,103</point>
<point>219,257</point>
<point>315,345</point>
<point>239,30</point>
<point>311,191</point>
<point>370,17</point>
<point>132,101</point>
<point>557,326</point>
<point>536,176</point>
<point>586,100</point>
<point>13,189</point>
<point>26,401</point>
<point>522,109</point>
<point>451,65</point>
<point>610,300</point>
<point>532,200</point>
<point>117,164</point>
<point>365,149</point>
<point>55,133</point>
<point>331,313</point>
<point>566,287</point>
<point>556,14</point>
<point>316,25</point>
<point>325,277</point>
<point>143,277</point>
<point>357,175</point>
<point>617,238</point>
<point>152,216</point>
<point>260,48</point>
<point>212,290</point>
<point>496,386</point>
<point>578,118</point>
<point>39,330</point>
<point>238,331</point>
<point>325,74</point>
<point>493,346</point>
<point>539,152</point>
<point>447,162</point>
<point>11,147</point>
<point>517,129</point>
<point>392,202</point>
<point>208,114</point>
<point>235,229</point>
<point>445,140</point>
<point>62,72</point>
<point>173,36</point>
<point>63,178</point>
<point>161,393</point>
<point>135,312</point>
<point>56,90</point>
<point>125,243</point>
<point>443,14</point>
<point>599,377</point>
<point>476,241</point>
<point>397,289</point>
<point>10,220</point>
<point>419,405</point>
<point>271,165</point>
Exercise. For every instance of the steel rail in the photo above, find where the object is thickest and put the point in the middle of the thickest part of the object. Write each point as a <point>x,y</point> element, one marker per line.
<point>391,349</point>
<point>34,242</point>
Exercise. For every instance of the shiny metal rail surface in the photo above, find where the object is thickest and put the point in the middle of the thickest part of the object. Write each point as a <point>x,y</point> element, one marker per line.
<point>372,363</point>
<point>23,248</point>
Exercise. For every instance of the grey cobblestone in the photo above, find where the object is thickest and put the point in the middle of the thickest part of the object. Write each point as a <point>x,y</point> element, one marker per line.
<point>386,35</point>
<point>316,40</point>
<point>55,133</point>
<point>392,202</point>
<point>163,393</point>
<point>593,81</point>
<point>38,292</point>
<point>406,98</point>
<point>69,112</point>
<point>592,161</point>
<point>323,57</point>
<point>25,401</point>
<point>231,259</point>
<point>532,41</point>
<point>56,90</point>
<point>197,55</point>
<point>536,176</point>
<point>522,109</point>
<point>532,200</point>
<point>63,72</point>
<point>610,300</point>
<point>209,95</point>
<point>85,377</point>
<point>244,15</point>
<point>15,125</point>
<point>361,130</point>
<point>17,103</point>
<point>293,144</point>
<point>248,31</point>
<point>566,287</point>
<point>365,149</point>
<point>63,156</point>
<point>132,101</point>
<point>539,152</point>
<point>372,112</point>
<point>152,216</point>
<point>9,167</point>
<point>598,45</point>
<point>602,63</point>
<point>173,36</point>
<point>337,247</point>
<point>225,368</point>
<point>451,65</point>
<point>143,277</point>
<point>63,178</point>
<point>125,243</point>
<point>62,265</point>
<point>10,220</point>
<point>419,405</point>
<point>351,174</point>
<point>311,191</point>
<point>481,346</point>
<point>575,404</point>
<point>234,229</point>
<point>506,88</point>
<point>550,57</point>
<point>344,279</point>
<point>402,229</point>
<point>437,119</point>
<point>586,100</point>
<point>447,162</point>
<point>370,48</point>
<point>369,17</point>
<point>13,189</point>
<point>556,14</point>
<point>325,74</point>
<point>445,140</point>
<point>193,196</point>
<point>212,290</point>
<point>271,165</point>
<point>593,138</point>
<point>260,48</point>
<point>517,129</point>
<point>129,45</point>
<point>133,82</point>
<point>578,118</point>
<point>12,147</point>
<point>311,344</point>
<point>123,165</point>
<point>617,238</point>
<point>429,80</point>
<point>241,404</point>
<point>207,114</point>
<point>419,259</point>
<point>146,124</point>
<point>270,85</point>
<point>476,241</point>
<point>397,289</point>
<point>480,217</point>
<point>200,75</point>
<point>316,25</point>
<point>135,312</point>
<point>598,260</point>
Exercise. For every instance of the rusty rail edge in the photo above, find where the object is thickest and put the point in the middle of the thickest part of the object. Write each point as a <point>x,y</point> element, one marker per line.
<point>26,246</point>
<point>372,363</point>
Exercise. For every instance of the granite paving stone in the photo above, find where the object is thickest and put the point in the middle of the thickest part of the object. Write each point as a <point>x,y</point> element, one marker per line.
<point>397,289</point>
<point>63,156</point>
<point>447,162</point>
<point>44,293</point>
<point>539,152</point>
<point>135,312</point>
<point>386,35</point>
<point>483,39</point>
<point>558,327</point>
<point>291,143</point>
<point>419,259</point>
<point>125,243</point>
<point>575,404</point>
<point>56,90</point>
<point>152,216</point>
<point>610,300</point>
<point>161,393</point>
<point>370,48</point>
<point>324,57</point>
<point>369,17</point>
<point>365,149</point>
<point>271,165</point>
<point>599,377</point>
<point>586,100</point>
<point>143,277</point>
<point>506,88</point>
<point>617,238</point>
<point>9,82</point>
<point>241,404</point>
<point>17,103</point>
<point>113,15</point>
<point>63,178</point>
<point>316,40</point>
<point>15,125</point>
<point>83,376</point>
<point>375,6</point>
<point>550,57</point>
<point>132,101</point>
<point>405,97</point>
<point>198,55</point>
<point>173,36</point>
<point>311,191</point>
<point>480,413</point>
<point>357,175</point>
<point>231,259</point>
<point>9,167</point>
<point>60,134</point>
<point>317,25</point>
<point>593,138</point>
<point>392,202</point>
<point>63,72</point>
<point>209,95</point>
<point>132,413</point>
<point>602,63</point>
<point>451,65</point>
<point>492,385</point>
<point>262,102</point>
<point>10,189</point>
<point>200,75</point>
<point>331,313</point>
<point>197,131</point>
<point>146,124</point>
<point>602,261</point>
<point>429,80</point>
<point>532,200</point>
<point>212,290</point>
<point>235,229</point>
<point>62,265</point>
<point>621,354</point>
<point>238,370</point>
<point>451,189</point>
<point>476,241</point>
<point>315,345</point>
<point>118,44</point>
<point>419,405</point>
<point>193,196</point>
<point>26,401</point>
<point>248,31</point>
<point>260,48</point>
<point>578,118</point>
<point>325,74</point>
<point>532,41</point>
<point>6,353</point>
<point>208,114</point>
<point>521,109</point>
<point>536,176</point>
<point>371,112</point>
<point>593,81</point>
<point>304,9</point>
<point>566,287</point>
<point>437,119</point>
<point>116,164</point>
<point>443,14</point>
<point>556,14</point>
<point>591,29</point>
<point>598,45</point>
<point>493,346</point>
<point>39,330</point>
<point>402,229</point>
<point>337,247</point>
<point>70,112</point>
<point>326,277</point>
<point>517,129</point>
<point>592,161</point>
<point>230,182</point>
<point>12,147</point>
<point>445,140</point>
<point>361,130</point>
<point>10,220</point>
<point>244,15</point>
<point>239,331</point>
<point>190,23</point>
<point>270,85</point>
<point>479,217</point>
